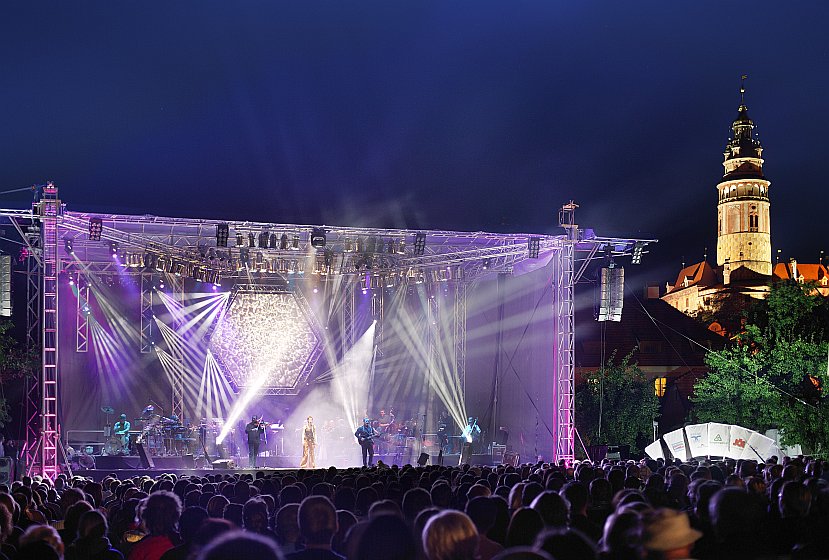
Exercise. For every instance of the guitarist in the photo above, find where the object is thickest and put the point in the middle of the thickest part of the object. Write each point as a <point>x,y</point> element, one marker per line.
<point>365,436</point>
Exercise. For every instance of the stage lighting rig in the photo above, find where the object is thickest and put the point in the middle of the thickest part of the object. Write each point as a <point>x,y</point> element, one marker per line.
<point>318,238</point>
<point>222,233</point>
<point>638,249</point>
<point>295,243</point>
<point>96,226</point>
<point>273,241</point>
<point>283,241</point>
<point>534,247</point>
<point>251,240</point>
<point>263,240</point>
<point>240,239</point>
<point>420,244</point>
<point>68,245</point>
<point>113,248</point>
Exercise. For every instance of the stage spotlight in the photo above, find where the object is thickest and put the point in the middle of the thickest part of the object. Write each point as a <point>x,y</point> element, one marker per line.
<point>283,241</point>
<point>534,246</point>
<point>318,237</point>
<point>244,256</point>
<point>240,239</point>
<point>263,240</point>
<point>638,248</point>
<point>390,246</point>
<point>251,240</point>
<point>295,243</point>
<point>420,244</point>
<point>401,247</point>
<point>273,241</point>
<point>222,233</point>
<point>361,245</point>
<point>68,245</point>
<point>349,245</point>
<point>113,248</point>
<point>486,264</point>
<point>95,227</point>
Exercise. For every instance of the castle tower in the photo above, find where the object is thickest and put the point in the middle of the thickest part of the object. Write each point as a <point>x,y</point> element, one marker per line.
<point>743,227</point>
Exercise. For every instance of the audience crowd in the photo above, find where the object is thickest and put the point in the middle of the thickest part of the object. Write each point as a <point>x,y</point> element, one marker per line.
<point>608,510</point>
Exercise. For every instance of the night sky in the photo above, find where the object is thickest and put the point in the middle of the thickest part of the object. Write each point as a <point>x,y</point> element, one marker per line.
<point>449,115</point>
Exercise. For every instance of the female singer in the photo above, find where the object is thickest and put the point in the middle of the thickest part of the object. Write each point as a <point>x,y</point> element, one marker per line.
<point>309,442</point>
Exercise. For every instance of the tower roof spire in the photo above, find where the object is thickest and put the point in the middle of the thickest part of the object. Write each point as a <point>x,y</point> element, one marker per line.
<point>743,79</point>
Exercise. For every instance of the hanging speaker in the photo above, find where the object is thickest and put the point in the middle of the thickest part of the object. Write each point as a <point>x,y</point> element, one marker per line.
<point>612,294</point>
<point>5,286</point>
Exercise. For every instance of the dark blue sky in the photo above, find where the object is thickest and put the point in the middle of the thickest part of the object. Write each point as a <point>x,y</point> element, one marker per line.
<point>463,115</point>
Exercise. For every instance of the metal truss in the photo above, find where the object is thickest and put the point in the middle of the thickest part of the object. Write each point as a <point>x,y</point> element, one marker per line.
<point>460,334</point>
<point>377,311</point>
<point>347,318</point>
<point>146,318</point>
<point>82,313</point>
<point>49,209</point>
<point>177,353</point>
<point>564,324</point>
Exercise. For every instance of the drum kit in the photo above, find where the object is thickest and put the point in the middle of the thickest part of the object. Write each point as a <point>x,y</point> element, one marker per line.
<point>161,435</point>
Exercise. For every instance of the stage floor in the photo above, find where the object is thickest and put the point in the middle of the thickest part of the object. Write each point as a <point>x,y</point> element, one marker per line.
<point>129,466</point>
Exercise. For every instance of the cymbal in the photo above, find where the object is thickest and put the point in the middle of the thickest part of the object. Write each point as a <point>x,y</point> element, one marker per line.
<point>107,410</point>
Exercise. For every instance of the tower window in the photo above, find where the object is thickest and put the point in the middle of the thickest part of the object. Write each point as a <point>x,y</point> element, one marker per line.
<point>753,220</point>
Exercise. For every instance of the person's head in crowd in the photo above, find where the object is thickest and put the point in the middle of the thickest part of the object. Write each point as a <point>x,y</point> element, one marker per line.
<point>191,519</point>
<point>233,512</point>
<point>216,506</point>
<point>207,532</point>
<point>483,512</point>
<point>255,515</point>
<point>735,517</point>
<point>477,490</point>
<point>667,533</point>
<point>516,496</point>
<point>565,544</point>
<point>702,499</point>
<point>40,542</point>
<point>286,526</point>
<point>621,538</point>
<point>387,537</point>
<point>450,535</point>
<point>92,525</point>
<point>552,508</point>
<point>524,527</point>
<point>160,513</point>
<point>384,507</point>
<point>795,500</point>
<point>531,490</point>
<point>577,496</point>
<point>522,553</point>
<point>237,544</point>
<point>345,521</point>
<point>317,522</point>
<point>415,500</point>
<point>73,514</point>
<point>441,495</point>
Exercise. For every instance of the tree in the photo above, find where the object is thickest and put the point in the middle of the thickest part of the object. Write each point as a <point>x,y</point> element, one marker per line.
<point>15,364</point>
<point>617,405</point>
<point>775,374</point>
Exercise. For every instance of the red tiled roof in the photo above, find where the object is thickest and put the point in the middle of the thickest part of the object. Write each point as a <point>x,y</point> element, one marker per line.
<point>700,273</point>
<point>810,272</point>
